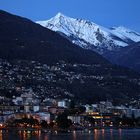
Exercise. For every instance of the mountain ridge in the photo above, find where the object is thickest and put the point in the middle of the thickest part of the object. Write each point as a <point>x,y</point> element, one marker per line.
<point>89,35</point>
<point>128,56</point>
<point>24,35</point>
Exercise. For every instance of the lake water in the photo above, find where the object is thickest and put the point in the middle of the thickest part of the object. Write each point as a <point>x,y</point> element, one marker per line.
<point>103,134</point>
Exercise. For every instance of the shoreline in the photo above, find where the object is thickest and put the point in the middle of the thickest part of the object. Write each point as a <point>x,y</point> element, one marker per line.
<point>65,130</point>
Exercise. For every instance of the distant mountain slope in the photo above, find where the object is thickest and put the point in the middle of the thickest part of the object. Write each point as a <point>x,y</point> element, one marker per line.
<point>21,38</point>
<point>90,35</point>
<point>128,56</point>
<point>132,35</point>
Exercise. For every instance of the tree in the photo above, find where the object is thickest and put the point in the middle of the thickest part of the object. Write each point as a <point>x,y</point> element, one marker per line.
<point>63,122</point>
<point>44,124</point>
<point>90,119</point>
<point>72,104</point>
<point>81,109</point>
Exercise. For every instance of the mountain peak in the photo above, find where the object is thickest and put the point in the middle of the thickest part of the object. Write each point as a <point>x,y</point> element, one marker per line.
<point>88,34</point>
<point>59,16</point>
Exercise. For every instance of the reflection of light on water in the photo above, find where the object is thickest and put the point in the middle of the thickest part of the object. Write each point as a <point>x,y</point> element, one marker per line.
<point>74,135</point>
<point>111,134</point>
<point>6,132</point>
<point>96,134</point>
<point>120,134</point>
<point>95,130</point>
<point>24,135</point>
<point>46,137</point>
<point>0,134</point>
<point>103,134</point>
<point>39,133</point>
<point>28,134</point>
<point>20,135</point>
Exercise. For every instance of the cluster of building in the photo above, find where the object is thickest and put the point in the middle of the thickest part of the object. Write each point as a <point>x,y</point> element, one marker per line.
<point>103,113</point>
<point>28,104</point>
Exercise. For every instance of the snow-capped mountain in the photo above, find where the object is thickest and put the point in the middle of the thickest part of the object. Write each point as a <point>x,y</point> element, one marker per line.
<point>89,35</point>
<point>134,36</point>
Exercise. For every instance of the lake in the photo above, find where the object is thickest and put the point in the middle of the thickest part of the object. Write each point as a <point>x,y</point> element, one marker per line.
<point>96,134</point>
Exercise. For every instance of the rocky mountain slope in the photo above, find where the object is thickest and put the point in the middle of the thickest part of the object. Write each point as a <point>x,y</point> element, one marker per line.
<point>90,35</point>
<point>21,38</point>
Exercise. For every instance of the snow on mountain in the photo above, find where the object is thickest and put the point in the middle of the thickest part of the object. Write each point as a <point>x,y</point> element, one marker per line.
<point>134,36</point>
<point>90,35</point>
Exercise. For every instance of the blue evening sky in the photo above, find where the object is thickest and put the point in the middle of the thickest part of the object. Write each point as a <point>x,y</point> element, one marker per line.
<point>107,13</point>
